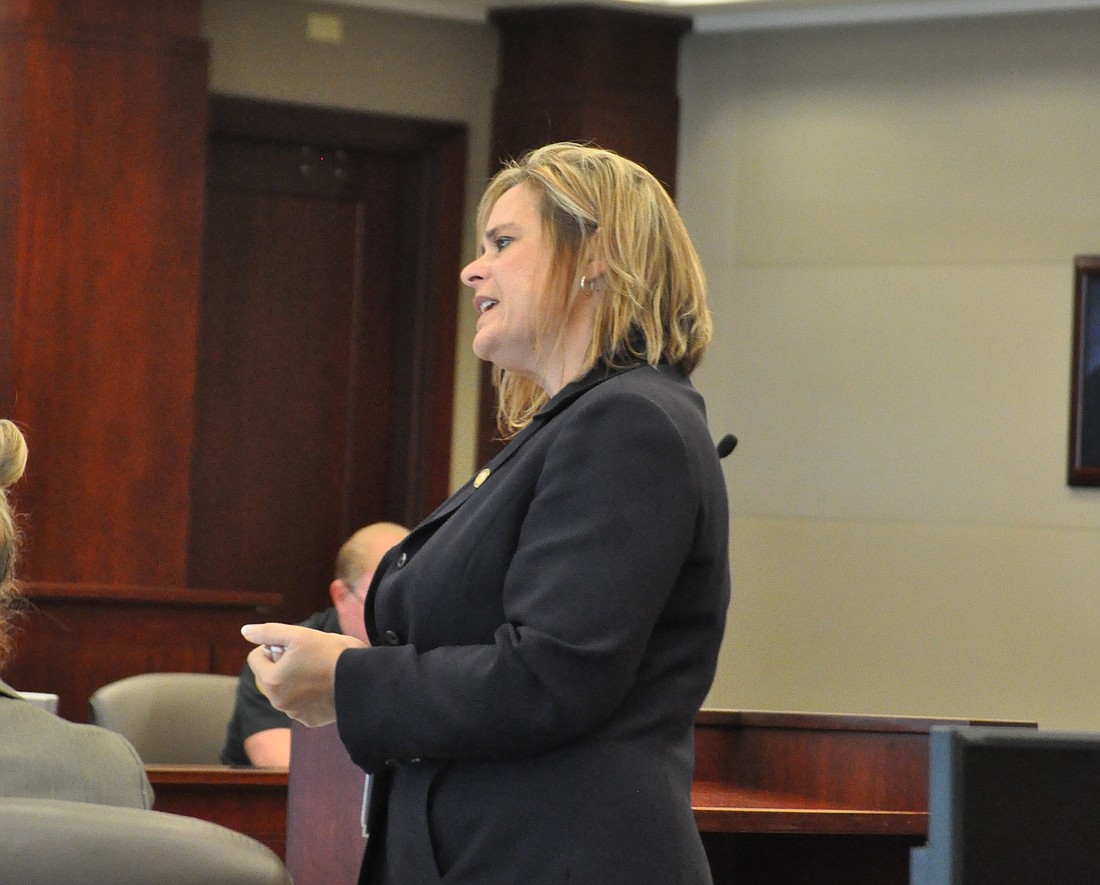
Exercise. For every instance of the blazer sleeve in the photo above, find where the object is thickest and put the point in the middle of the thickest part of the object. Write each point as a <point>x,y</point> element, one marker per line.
<point>607,531</point>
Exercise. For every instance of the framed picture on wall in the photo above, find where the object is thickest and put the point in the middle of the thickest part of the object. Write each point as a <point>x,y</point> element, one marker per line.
<point>1084,405</point>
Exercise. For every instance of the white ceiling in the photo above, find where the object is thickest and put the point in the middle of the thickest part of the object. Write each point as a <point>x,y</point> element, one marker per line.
<point>732,15</point>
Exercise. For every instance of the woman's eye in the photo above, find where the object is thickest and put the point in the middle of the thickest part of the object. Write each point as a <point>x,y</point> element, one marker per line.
<point>500,242</point>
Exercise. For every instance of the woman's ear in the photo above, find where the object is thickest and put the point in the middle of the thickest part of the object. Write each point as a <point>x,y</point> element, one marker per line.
<point>593,273</point>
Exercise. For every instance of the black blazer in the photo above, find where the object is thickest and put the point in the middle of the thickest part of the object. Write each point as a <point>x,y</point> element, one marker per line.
<point>541,645</point>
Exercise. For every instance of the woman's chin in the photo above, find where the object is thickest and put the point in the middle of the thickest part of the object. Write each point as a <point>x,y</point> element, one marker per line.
<point>487,345</point>
<point>481,348</point>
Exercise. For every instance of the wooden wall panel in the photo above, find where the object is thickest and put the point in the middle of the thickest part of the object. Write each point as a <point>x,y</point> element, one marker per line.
<point>174,18</point>
<point>103,135</point>
<point>72,641</point>
<point>102,247</point>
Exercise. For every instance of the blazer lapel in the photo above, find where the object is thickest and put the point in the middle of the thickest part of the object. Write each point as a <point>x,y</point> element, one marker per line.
<point>555,406</point>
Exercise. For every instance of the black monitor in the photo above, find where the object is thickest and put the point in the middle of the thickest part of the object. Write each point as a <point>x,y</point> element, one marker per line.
<point>1011,806</point>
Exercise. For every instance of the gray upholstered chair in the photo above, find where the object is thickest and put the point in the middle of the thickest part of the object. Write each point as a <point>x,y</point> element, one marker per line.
<point>47,841</point>
<point>169,717</point>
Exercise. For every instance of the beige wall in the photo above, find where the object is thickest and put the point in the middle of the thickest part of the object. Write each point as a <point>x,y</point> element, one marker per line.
<point>387,63</point>
<point>888,215</point>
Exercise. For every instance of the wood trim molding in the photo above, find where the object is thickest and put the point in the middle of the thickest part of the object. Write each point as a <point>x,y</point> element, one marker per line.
<point>111,593</point>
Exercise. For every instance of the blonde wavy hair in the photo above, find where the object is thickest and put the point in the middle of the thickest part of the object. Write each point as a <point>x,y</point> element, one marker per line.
<point>13,461</point>
<point>599,208</point>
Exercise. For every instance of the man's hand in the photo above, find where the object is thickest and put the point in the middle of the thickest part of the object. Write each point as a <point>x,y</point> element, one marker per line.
<point>301,680</point>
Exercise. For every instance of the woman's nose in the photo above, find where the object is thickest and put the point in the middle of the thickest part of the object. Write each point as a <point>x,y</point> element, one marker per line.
<point>472,273</point>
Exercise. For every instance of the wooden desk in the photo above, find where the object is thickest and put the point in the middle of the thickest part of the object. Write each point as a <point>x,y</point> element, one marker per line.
<point>324,830</point>
<point>780,799</point>
<point>252,801</point>
<point>800,798</point>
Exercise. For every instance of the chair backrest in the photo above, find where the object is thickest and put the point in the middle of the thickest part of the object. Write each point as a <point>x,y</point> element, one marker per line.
<point>169,717</point>
<point>47,841</point>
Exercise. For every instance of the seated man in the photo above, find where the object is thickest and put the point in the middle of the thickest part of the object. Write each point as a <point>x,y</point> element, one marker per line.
<point>258,734</point>
<point>43,756</point>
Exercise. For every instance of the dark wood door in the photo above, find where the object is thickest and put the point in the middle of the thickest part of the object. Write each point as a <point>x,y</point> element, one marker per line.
<point>312,355</point>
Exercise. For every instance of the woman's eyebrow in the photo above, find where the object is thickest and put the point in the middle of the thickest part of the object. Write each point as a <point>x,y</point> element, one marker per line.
<point>493,232</point>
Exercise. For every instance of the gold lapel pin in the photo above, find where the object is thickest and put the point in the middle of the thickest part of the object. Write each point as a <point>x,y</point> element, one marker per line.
<point>481,477</point>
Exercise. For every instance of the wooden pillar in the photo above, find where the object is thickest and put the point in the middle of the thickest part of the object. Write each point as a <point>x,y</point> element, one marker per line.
<point>583,74</point>
<point>586,74</point>
<point>103,145</point>
<point>103,108</point>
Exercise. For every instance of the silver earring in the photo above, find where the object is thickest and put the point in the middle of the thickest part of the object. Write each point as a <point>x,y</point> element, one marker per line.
<point>584,282</point>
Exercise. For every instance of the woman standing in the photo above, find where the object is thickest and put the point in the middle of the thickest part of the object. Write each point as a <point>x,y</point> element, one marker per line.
<point>541,643</point>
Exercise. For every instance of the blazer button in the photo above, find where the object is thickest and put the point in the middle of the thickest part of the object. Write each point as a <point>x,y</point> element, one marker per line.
<point>401,560</point>
<point>391,638</point>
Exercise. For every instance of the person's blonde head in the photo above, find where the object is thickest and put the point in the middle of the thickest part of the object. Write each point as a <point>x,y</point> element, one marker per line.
<point>605,212</point>
<point>13,461</point>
